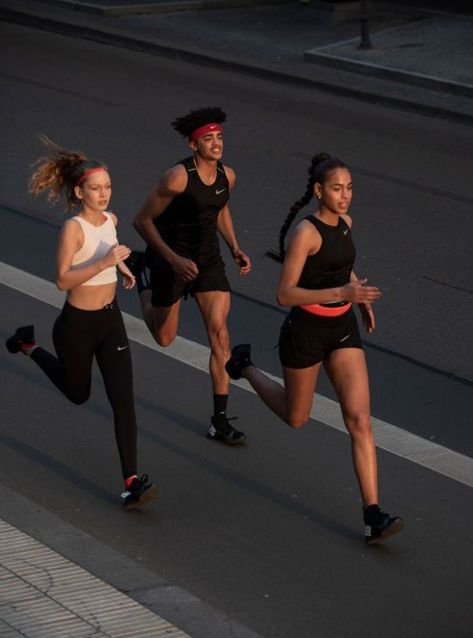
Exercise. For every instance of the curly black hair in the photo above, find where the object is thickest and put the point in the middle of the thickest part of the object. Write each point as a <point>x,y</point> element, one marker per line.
<point>187,124</point>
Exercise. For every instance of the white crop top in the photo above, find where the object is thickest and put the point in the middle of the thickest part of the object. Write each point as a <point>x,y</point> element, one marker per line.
<point>97,242</point>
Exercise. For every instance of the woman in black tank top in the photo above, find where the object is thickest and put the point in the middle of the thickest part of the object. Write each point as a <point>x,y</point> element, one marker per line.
<point>319,285</point>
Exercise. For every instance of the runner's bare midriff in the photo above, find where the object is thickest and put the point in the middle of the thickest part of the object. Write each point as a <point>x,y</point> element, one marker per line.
<point>92,297</point>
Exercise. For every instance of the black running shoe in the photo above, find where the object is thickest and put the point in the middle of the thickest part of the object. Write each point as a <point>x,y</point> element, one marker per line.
<point>139,493</point>
<point>379,526</point>
<point>136,262</point>
<point>22,336</point>
<point>225,433</point>
<point>240,359</point>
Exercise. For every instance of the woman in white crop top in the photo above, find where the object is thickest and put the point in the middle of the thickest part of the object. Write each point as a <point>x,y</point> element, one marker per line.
<point>90,324</point>
<point>89,253</point>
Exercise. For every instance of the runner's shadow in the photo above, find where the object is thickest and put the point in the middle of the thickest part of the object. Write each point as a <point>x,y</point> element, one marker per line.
<point>221,471</point>
<point>190,424</point>
<point>61,469</point>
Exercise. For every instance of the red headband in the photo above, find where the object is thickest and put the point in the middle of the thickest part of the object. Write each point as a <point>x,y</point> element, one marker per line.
<point>87,173</point>
<point>203,130</point>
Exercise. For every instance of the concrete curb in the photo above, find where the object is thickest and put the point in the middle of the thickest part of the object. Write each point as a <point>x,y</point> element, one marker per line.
<point>178,606</point>
<point>164,6</point>
<point>119,39</point>
<point>44,594</point>
<point>325,56</point>
<point>417,79</point>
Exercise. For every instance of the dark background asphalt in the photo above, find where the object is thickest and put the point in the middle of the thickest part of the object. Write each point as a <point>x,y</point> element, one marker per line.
<point>412,199</point>
<point>269,535</point>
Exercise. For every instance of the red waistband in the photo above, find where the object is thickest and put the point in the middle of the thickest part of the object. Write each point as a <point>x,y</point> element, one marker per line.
<point>326,311</point>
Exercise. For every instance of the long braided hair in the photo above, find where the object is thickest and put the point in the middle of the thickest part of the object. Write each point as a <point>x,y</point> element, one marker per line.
<point>59,172</point>
<point>320,165</point>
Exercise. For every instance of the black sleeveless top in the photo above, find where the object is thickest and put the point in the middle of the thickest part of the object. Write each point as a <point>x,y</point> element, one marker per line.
<point>331,266</point>
<point>189,224</point>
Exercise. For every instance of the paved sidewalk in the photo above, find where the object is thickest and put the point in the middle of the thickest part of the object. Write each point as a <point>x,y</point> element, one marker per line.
<point>420,60</point>
<point>44,595</point>
<point>436,52</point>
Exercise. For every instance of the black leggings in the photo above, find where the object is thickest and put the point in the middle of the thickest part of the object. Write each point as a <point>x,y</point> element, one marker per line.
<point>78,335</point>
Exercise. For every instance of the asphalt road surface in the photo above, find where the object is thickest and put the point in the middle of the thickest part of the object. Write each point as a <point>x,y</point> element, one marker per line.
<point>268,535</point>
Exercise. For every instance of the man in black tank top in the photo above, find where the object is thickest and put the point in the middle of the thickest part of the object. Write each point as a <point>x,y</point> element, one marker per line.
<point>180,222</point>
<point>189,222</point>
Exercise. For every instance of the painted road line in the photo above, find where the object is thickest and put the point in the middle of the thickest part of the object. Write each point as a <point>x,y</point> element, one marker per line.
<point>388,437</point>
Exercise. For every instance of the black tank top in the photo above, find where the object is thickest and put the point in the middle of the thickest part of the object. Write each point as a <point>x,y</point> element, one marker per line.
<point>332,264</point>
<point>189,224</point>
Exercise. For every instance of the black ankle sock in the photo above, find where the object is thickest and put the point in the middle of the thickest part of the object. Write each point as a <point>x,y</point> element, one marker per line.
<point>371,513</point>
<point>220,408</point>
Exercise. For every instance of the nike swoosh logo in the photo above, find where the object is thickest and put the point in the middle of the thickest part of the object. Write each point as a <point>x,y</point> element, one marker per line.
<point>121,347</point>
<point>218,192</point>
<point>345,232</point>
<point>345,338</point>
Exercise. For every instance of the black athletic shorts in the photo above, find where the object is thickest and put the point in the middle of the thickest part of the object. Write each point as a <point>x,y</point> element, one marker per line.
<point>306,339</point>
<point>166,288</point>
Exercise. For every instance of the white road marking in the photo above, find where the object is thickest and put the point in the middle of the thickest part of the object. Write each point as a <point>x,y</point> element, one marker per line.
<point>388,437</point>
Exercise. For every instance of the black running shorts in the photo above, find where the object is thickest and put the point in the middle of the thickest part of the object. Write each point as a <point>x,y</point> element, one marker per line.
<point>166,288</point>
<point>306,339</point>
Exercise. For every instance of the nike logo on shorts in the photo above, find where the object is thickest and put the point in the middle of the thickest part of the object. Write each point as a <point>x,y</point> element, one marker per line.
<point>345,338</point>
<point>345,232</point>
<point>121,347</point>
<point>219,192</point>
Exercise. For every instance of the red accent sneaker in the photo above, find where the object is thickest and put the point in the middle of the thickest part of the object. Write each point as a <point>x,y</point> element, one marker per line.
<point>21,340</point>
<point>139,493</point>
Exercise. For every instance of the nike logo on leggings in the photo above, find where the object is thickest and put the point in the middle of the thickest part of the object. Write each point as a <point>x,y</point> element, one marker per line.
<point>121,347</point>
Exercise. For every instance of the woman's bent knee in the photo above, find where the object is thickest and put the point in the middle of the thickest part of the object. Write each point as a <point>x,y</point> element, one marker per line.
<point>78,398</point>
<point>359,425</point>
<point>164,339</point>
<point>297,421</point>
